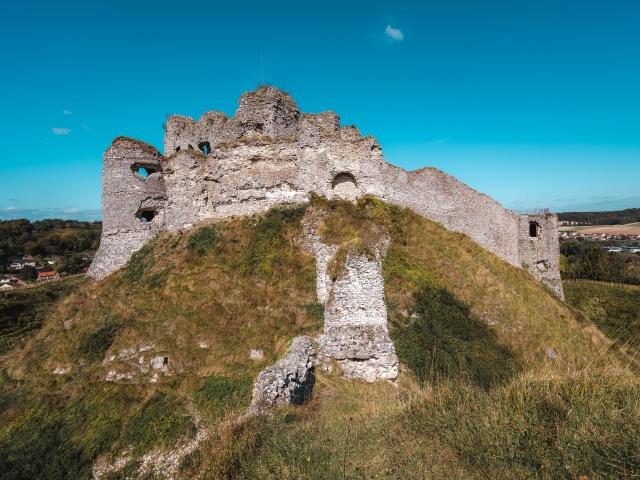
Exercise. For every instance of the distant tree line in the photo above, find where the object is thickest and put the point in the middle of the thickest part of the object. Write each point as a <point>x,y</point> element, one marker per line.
<point>68,239</point>
<point>619,217</point>
<point>587,260</point>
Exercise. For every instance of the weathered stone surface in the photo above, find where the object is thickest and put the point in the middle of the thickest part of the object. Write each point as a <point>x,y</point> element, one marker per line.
<point>256,355</point>
<point>540,255</point>
<point>355,321</point>
<point>269,153</point>
<point>363,352</point>
<point>357,297</point>
<point>355,336</point>
<point>289,381</point>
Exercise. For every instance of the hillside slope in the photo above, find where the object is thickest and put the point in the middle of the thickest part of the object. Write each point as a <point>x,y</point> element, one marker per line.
<point>153,370</point>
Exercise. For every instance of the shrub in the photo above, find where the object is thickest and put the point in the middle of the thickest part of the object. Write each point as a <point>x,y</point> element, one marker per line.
<point>315,311</point>
<point>204,240</point>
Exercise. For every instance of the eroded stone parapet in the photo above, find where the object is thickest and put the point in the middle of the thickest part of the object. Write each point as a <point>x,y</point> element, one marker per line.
<point>266,111</point>
<point>289,381</point>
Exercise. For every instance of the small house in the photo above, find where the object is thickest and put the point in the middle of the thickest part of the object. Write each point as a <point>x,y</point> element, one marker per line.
<point>48,276</point>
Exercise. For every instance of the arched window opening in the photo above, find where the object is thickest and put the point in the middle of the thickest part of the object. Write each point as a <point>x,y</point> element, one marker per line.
<point>344,185</point>
<point>177,149</point>
<point>190,147</point>
<point>205,147</point>
<point>534,229</point>
<point>343,178</point>
<point>146,215</point>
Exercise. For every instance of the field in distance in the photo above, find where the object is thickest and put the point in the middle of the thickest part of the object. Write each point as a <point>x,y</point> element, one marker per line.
<point>628,229</point>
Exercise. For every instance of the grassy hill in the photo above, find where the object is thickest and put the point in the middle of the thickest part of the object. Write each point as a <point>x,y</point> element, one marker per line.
<point>614,309</point>
<point>498,378</point>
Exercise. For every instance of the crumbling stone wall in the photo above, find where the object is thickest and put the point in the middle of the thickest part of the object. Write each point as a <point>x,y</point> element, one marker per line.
<point>355,333</point>
<point>539,249</point>
<point>126,196</point>
<point>289,381</point>
<point>270,153</point>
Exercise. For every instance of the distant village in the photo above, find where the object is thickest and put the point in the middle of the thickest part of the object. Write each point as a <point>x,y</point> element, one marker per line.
<point>29,271</point>
<point>612,243</point>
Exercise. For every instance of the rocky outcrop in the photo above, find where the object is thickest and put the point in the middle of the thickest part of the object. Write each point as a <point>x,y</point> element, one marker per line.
<point>289,381</point>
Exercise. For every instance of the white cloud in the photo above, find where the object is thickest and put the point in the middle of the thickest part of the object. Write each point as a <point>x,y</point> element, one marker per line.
<point>394,33</point>
<point>60,131</point>
<point>71,210</point>
<point>67,112</point>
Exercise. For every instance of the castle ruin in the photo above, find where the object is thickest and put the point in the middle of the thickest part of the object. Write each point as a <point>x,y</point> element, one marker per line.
<point>270,153</point>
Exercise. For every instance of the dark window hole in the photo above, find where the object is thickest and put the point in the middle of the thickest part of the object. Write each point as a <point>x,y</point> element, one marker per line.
<point>534,229</point>
<point>205,147</point>
<point>146,216</point>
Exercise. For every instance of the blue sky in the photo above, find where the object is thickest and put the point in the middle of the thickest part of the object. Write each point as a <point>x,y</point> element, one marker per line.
<point>536,103</point>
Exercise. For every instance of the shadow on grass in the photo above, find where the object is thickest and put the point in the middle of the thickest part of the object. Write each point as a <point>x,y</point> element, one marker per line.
<point>442,339</point>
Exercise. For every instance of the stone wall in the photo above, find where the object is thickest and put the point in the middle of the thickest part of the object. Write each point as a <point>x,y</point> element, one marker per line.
<point>269,153</point>
<point>539,249</point>
<point>128,197</point>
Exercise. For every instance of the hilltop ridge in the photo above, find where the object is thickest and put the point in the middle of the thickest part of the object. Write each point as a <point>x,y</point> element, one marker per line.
<point>472,333</point>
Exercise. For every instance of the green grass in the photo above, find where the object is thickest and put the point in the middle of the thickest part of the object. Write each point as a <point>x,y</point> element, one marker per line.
<point>252,288</point>
<point>23,312</point>
<point>217,395</point>
<point>93,345</point>
<point>532,428</point>
<point>59,440</point>
<point>162,421</point>
<point>615,310</point>
<point>442,339</point>
<point>204,240</point>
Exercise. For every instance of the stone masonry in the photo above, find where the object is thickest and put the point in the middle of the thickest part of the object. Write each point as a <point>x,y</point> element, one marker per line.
<point>270,153</point>
<point>289,381</point>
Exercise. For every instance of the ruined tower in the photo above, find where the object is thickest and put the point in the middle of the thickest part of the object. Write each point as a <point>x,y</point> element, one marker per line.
<point>270,153</point>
